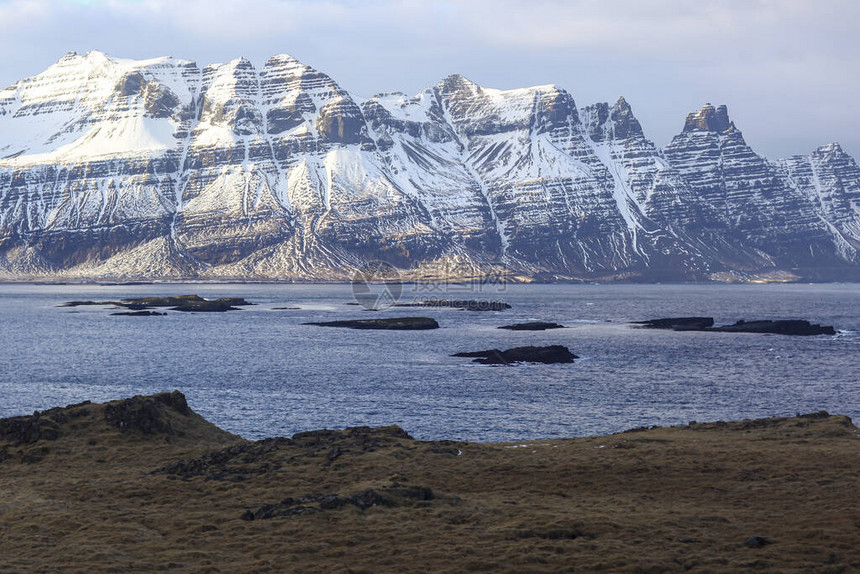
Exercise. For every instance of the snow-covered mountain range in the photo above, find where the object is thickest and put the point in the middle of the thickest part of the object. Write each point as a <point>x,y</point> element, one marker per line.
<point>114,168</point>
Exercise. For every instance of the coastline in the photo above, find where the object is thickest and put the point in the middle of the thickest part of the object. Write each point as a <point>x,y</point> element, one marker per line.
<point>146,484</point>
<point>452,280</point>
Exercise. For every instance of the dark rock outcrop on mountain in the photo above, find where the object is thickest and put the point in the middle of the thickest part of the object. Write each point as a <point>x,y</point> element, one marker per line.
<point>709,119</point>
<point>161,169</point>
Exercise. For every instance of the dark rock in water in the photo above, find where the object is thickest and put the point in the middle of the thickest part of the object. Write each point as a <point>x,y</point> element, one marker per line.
<point>216,306</point>
<point>757,542</point>
<point>532,326</point>
<point>679,323</point>
<point>188,303</point>
<point>781,327</point>
<point>144,414</point>
<point>778,327</point>
<point>549,354</point>
<point>84,303</point>
<point>140,313</point>
<point>392,324</point>
<point>468,304</point>
<point>174,301</point>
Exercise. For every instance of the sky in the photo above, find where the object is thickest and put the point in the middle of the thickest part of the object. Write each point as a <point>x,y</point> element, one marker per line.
<point>789,70</point>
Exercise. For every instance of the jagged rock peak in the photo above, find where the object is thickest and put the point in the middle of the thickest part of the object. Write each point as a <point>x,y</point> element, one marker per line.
<point>241,63</point>
<point>709,119</point>
<point>624,122</point>
<point>456,82</point>
<point>72,55</point>
<point>74,60</point>
<point>832,147</point>
<point>603,122</point>
<point>395,94</point>
<point>285,64</point>
<point>283,59</point>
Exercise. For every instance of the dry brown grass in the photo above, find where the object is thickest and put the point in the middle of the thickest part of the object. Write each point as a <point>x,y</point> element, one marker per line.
<point>619,503</point>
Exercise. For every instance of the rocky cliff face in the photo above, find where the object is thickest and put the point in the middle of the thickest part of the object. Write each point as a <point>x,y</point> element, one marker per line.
<point>755,204</point>
<point>158,168</point>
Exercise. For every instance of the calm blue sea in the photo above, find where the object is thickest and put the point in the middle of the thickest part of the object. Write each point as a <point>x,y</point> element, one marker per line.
<point>260,373</point>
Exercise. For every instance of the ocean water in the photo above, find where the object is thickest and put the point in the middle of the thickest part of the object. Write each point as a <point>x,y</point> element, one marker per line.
<point>260,372</point>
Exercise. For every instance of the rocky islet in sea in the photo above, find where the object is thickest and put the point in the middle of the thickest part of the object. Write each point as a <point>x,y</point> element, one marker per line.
<point>769,326</point>
<point>549,354</point>
<point>184,303</point>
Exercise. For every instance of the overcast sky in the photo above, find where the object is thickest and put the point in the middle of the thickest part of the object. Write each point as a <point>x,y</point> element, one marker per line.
<point>789,70</point>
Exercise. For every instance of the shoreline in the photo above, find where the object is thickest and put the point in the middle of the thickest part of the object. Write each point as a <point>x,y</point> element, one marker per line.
<point>346,282</point>
<point>719,423</point>
<point>146,484</point>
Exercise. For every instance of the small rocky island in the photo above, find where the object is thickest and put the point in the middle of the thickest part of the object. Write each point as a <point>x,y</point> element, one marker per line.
<point>390,324</point>
<point>548,355</point>
<point>467,304</point>
<point>532,326</point>
<point>776,327</point>
<point>184,303</point>
<point>139,314</point>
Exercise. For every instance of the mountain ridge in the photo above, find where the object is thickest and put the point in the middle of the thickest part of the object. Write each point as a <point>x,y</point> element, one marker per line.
<point>157,168</point>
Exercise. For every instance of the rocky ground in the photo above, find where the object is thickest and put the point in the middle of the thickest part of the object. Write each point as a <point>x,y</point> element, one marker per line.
<point>145,484</point>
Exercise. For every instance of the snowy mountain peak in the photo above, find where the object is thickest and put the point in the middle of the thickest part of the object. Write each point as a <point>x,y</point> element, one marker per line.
<point>158,168</point>
<point>832,147</point>
<point>283,60</point>
<point>241,63</point>
<point>457,83</point>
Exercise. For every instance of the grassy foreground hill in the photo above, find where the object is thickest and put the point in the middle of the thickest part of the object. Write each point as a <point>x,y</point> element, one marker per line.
<point>145,484</point>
